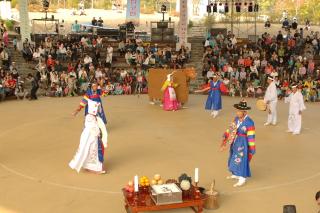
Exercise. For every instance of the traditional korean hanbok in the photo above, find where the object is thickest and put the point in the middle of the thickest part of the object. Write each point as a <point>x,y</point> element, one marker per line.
<point>241,137</point>
<point>93,140</point>
<point>170,101</point>
<point>214,102</point>
<point>296,105</point>
<point>271,96</point>
<point>93,96</point>
<point>243,148</point>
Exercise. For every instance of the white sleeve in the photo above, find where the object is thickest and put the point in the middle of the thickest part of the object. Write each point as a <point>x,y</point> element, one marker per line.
<point>301,103</point>
<point>104,132</point>
<point>288,99</point>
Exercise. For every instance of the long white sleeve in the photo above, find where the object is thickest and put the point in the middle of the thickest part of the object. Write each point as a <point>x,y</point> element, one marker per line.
<point>271,93</point>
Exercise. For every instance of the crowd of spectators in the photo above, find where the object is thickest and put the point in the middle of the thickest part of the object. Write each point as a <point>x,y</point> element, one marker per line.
<point>289,57</point>
<point>67,67</point>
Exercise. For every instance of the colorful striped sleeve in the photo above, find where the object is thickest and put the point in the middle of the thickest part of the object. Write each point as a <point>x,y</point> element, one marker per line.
<point>84,101</point>
<point>251,134</point>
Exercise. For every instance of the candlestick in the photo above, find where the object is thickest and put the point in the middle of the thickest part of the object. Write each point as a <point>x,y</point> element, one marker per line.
<point>196,175</point>
<point>136,183</point>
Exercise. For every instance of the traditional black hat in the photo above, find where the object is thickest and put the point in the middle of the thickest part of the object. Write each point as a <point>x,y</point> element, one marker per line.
<point>242,105</point>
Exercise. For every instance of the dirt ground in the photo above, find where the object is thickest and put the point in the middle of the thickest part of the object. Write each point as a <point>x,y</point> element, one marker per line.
<point>39,138</point>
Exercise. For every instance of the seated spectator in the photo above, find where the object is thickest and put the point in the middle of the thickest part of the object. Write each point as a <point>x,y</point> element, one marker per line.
<point>20,92</point>
<point>87,61</point>
<point>62,53</point>
<point>100,22</point>
<point>250,91</point>
<point>50,63</point>
<point>9,85</point>
<point>313,95</point>
<point>94,21</point>
<point>118,89</point>
<point>71,81</point>
<point>109,88</point>
<point>127,89</point>
<point>4,57</point>
<point>99,42</point>
<point>58,66</point>
<point>36,55</point>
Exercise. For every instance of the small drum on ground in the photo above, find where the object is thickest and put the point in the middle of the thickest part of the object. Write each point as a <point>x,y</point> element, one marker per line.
<point>261,105</point>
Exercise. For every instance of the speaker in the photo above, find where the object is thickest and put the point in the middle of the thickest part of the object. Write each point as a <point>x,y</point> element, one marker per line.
<point>250,7</point>
<point>215,8</point>
<point>162,24</point>
<point>209,9</point>
<point>156,31</point>
<point>238,7</point>
<point>226,8</point>
<point>289,209</point>
<point>168,31</point>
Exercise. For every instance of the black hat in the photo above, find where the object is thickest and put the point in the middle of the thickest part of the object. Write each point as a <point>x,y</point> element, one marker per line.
<point>242,105</point>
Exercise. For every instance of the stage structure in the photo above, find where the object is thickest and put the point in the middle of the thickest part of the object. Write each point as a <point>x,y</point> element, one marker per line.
<point>237,9</point>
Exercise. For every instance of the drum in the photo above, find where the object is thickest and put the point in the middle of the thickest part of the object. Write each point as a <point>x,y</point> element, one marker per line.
<point>261,105</point>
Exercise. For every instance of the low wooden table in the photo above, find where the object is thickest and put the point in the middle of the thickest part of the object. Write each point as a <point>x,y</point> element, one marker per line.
<point>145,203</point>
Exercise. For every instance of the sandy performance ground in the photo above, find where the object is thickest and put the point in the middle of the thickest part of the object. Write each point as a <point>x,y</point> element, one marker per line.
<point>39,138</point>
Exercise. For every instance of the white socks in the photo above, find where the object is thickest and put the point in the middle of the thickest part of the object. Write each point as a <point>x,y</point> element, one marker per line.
<point>241,182</point>
<point>214,113</point>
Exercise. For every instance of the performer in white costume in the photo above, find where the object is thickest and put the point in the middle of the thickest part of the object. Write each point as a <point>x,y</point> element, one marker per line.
<point>93,140</point>
<point>271,99</point>
<point>296,106</point>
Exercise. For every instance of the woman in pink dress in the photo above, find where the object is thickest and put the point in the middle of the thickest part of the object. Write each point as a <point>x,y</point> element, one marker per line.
<point>170,102</point>
<point>5,37</point>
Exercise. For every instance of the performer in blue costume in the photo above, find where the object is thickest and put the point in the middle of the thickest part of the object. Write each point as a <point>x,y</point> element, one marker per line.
<point>93,94</point>
<point>241,138</point>
<point>214,102</point>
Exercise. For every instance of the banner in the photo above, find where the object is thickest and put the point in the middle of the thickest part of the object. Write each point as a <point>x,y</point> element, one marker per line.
<point>133,10</point>
<point>183,22</point>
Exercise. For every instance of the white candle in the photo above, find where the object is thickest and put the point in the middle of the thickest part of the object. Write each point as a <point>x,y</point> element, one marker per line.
<point>196,175</point>
<point>136,184</point>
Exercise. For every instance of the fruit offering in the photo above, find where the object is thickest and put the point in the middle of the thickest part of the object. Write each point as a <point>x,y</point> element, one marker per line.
<point>157,180</point>
<point>130,186</point>
<point>144,181</point>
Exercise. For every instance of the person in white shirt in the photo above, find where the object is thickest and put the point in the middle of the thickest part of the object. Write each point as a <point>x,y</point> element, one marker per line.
<point>62,52</point>
<point>296,106</point>
<point>98,73</point>
<point>109,53</point>
<point>36,55</point>
<point>210,74</point>
<point>82,72</point>
<point>271,99</point>
<point>87,60</point>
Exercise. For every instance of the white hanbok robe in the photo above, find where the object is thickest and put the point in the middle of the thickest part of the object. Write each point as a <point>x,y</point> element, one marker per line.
<point>271,95</point>
<point>87,155</point>
<point>296,105</point>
